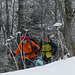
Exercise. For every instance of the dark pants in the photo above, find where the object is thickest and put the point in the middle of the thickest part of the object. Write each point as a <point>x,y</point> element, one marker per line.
<point>47,60</point>
<point>30,62</point>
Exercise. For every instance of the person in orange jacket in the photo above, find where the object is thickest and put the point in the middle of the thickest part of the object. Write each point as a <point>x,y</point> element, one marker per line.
<point>28,52</point>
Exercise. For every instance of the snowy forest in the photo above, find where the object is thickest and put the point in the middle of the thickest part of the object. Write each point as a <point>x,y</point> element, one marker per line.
<point>33,17</point>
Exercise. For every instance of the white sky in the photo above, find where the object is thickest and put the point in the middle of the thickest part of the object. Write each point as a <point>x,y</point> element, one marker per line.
<point>61,67</point>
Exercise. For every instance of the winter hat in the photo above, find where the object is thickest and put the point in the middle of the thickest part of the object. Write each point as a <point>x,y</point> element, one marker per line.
<point>44,36</point>
<point>24,38</point>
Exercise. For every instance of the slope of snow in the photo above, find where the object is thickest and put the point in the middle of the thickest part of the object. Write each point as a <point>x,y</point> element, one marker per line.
<point>61,67</point>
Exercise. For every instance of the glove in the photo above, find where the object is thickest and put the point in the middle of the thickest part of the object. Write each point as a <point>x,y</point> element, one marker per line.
<point>13,54</point>
<point>53,52</point>
<point>34,49</point>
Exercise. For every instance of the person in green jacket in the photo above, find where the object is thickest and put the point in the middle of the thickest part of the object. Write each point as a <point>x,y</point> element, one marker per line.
<point>48,48</point>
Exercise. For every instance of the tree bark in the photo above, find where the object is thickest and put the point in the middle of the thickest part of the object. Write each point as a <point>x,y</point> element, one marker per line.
<point>0,19</point>
<point>12,17</point>
<point>55,11</point>
<point>41,2</point>
<point>7,22</point>
<point>67,17</point>
<point>67,27</point>
<point>20,16</point>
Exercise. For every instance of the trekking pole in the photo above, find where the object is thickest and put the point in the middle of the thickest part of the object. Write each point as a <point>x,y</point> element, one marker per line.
<point>11,60</point>
<point>14,58</point>
<point>23,61</point>
<point>12,55</point>
<point>21,53</point>
<point>38,53</point>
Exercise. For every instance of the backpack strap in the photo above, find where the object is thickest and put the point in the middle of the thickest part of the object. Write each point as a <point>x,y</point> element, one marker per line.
<point>30,43</point>
<point>35,50</point>
<point>22,47</point>
<point>25,53</point>
<point>32,47</point>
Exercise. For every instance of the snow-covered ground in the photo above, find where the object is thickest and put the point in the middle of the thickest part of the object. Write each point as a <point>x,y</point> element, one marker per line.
<point>61,67</point>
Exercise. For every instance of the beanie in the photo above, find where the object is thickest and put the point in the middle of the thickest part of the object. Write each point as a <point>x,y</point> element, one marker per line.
<point>44,36</point>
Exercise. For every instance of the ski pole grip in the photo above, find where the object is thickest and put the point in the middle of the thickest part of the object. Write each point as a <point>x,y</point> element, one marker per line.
<point>13,54</point>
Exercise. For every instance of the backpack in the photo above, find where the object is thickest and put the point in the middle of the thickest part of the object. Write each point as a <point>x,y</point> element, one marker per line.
<point>32,39</point>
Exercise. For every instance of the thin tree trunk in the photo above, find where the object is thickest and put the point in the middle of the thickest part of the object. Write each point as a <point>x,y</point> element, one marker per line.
<point>20,16</point>
<point>7,22</point>
<point>41,2</point>
<point>55,11</point>
<point>0,19</point>
<point>3,26</point>
<point>12,17</point>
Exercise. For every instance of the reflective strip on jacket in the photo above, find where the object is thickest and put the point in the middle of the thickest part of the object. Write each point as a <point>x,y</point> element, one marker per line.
<point>46,50</point>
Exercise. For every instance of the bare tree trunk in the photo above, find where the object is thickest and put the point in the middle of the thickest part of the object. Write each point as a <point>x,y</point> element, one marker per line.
<point>20,28</point>
<point>0,19</point>
<point>2,25</point>
<point>20,16</point>
<point>55,11</point>
<point>67,27</point>
<point>67,16</point>
<point>41,2</point>
<point>7,22</point>
<point>12,17</point>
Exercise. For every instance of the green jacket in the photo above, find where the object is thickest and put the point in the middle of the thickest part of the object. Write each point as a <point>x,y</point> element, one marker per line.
<point>46,50</point>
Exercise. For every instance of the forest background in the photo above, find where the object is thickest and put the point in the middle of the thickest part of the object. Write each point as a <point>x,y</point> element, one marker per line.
<point>55,17</point>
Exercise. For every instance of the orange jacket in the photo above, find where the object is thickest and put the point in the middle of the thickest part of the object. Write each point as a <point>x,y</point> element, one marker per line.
<point>27,49</point>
